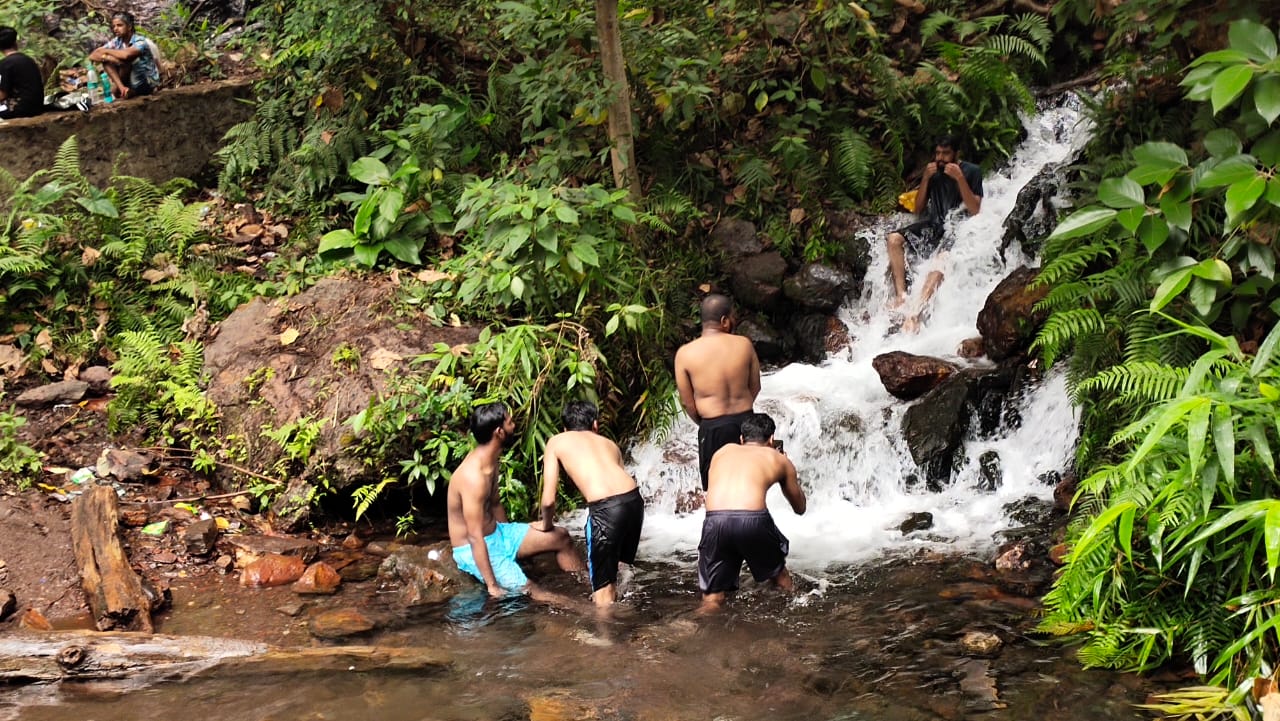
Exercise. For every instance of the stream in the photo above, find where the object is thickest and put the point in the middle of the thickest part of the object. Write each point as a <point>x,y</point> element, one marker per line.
<point>874,629</point>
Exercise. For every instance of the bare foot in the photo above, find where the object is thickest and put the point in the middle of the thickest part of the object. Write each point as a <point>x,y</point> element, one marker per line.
<point>911,324</point>
<point>897,300</point>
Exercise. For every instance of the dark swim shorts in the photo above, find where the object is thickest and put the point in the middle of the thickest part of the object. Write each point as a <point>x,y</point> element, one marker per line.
<point>613,534</point>
<point>926,237</point>
<point>714,434</point>
<point>729,538</point>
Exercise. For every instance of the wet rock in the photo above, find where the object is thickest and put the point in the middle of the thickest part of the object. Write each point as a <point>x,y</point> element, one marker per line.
<point>164,558</point>
<point>971,348</point>
<point>353,542</point>
<point>98,378</point>
<point>423,574</point>
<point>272,570</point>
<point>1064,492</point>
<point>921,521</point>
<point>33,620</point>
<point>1029,511</point>
<point>1058,554</point>
<point>52,394</point>
<point>756,281</point>
<point>771,346</point>
<point>1023,567</point>
<point>990,473</point>
<point>199,538</point>
<point>134,517</point>
<point>122,464</point>
<point>818,287</point>
<point>562,705</point>
<point>224,563</point>
<point>978,686</point>
<point>908,376</point>
<point>817,336</point>
<point>934,428</point>
<point>980,644</point>
<point>1033,216</point>
<point>319,578</point>
<point>1008,321</point>
<point>361,570</point>
<point>250,548</point>
<point>8,603</point>
<point>292,609</point>
<point>736,238</point>
<point>340,623</point>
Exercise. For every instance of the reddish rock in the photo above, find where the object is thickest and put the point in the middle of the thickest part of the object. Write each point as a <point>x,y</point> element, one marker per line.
<point>971,348</point>
<point>251,548</point>
<point>33,620</point>
<point>319,578</point>
<point>908,376</point>
<point>339,623</point>
<point>1008,321</point>
<point>135,517</point>
<point>1058,554</point>
<point>272,570</point>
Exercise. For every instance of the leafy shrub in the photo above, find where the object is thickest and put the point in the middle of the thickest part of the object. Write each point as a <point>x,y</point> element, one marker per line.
<point>19,463</point>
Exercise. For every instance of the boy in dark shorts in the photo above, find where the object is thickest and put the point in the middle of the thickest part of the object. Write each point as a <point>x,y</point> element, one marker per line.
<point>615,510</point>
<point>737,526</point>
<point>946,184</point>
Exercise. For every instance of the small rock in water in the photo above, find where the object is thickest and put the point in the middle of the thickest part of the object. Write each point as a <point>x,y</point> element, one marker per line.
<point>319,578</point>
<point>921,521</point>
<point>292,609</point>
<point>33,620</point>
<point>200,537</point>
<point>165,557</point>
<point>8,603</point>
<point>340,622</point>
<point>980,643</point>
<point>272,570</point>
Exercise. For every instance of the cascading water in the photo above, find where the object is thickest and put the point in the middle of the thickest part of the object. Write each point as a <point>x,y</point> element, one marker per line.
<point>843,430</point>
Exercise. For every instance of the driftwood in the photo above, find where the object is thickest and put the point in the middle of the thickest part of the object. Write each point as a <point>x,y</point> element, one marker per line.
<point>115,592</point>
<point>141,658</point>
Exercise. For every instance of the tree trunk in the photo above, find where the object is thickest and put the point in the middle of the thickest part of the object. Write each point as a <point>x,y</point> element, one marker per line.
<point>115,592</point>
<point>623,152</point>
<point>150,658</point>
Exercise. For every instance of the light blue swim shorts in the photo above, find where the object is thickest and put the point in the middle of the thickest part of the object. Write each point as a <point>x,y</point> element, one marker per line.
<point>503,544</point>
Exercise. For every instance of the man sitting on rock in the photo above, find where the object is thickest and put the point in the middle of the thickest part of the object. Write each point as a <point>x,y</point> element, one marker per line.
<point>128,60</point>
<point>21,84</point>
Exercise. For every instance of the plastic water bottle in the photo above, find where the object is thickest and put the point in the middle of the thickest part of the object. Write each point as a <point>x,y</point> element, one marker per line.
<point>95,85</point>
<point>107,97</point>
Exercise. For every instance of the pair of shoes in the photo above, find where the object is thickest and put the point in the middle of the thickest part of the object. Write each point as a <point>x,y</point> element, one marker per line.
<point>83,104</point>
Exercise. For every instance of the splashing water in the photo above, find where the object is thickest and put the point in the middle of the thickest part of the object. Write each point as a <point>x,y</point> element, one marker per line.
<point>843,430</point>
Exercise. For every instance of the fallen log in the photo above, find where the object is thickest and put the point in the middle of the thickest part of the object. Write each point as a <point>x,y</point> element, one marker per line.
<point>115,592</point>
<point>142,659</point>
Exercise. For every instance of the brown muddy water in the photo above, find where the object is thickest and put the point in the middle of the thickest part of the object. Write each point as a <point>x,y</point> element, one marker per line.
<point>881,645</point>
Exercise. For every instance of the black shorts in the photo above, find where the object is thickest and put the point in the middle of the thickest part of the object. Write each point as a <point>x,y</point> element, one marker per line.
<point>714,434</point>
<point>731,537</point>
<point>613,534</point>
<point>926,237</point>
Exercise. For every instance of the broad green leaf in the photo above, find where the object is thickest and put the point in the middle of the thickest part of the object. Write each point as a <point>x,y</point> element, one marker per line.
<point>1170,413</point>
<point>1084,222</point>
<point>1266,351</point>
<point>762,99</point>
<point>1262,259</point>
<point>1213,269</point>
<point>1256,434</point>
<point>99,206</point>
<point>1197,433</point>
<point>1130,218</point>
<point>623,213</point>
<point>1176,212</point>
<point>1101,523</point>
<point>819,79</point>
<point>1170,288</point>
<point>1267,148</point>
<point>1202,295</point>
<point>370,171</point>
<point>1121,193</point>
<point>1222,143</point>
<point>1271,534</point>
<point>404,249</point>
<point>364,216</point>
<point>366,254</point>
<point>1153,231</point>
<point>548,239</point>
<point>1224,441</point>
<point>1160,154</point>
<point>517,287</point>
<point>1273,191</point>
<point>335,239</point>
<point>612,326</point>
<point>1266,97</point>
<point>1199,80</point>
<point>1235,169</point>
<point>1241,197</point>
<point>1124,529</point>
<point>1256,41</point>
<point>586,252</point>
<point>565,214</point>
<point>391,205</point>
<point>1229,56</point>
<point>1228,85</point>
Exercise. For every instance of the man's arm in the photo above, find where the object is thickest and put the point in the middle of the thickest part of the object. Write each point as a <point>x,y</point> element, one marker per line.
<point>972,201</point>
<point>550,482</point>
<point>791,488</point>
<point>922,191</point>
<point>753,382</point>
<point>685,386</point>
<point>473,514</point>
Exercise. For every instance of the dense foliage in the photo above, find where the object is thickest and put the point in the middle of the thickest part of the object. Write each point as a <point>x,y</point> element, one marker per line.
<point>1164,289</point>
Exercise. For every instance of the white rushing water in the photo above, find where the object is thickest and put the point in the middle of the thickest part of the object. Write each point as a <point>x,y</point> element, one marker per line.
<point>843,430</point>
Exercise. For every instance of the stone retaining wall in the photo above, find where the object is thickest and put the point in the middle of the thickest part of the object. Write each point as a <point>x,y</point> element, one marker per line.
<point>170,134</point>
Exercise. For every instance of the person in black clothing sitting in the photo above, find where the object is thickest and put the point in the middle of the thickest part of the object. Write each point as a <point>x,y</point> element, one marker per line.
<point>946,184</point>
<point>21,84</point>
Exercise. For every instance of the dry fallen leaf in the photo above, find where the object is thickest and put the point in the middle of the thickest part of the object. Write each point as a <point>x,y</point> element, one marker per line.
<point>797,216</point>
<point>288,336</point>
<point>10,357</point>
<point>49,366</point>
<point>89,256</point>
<point>431,275</point>
<point>382,359</point>
<point>44,341</point>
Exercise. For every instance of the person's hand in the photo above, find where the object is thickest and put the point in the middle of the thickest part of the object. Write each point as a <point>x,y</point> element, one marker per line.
<point>930,170</point>
<point>953,171</point>
<point>496,591</point>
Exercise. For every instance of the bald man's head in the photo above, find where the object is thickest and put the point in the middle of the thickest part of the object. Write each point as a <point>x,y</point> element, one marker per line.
<point>716,308</point>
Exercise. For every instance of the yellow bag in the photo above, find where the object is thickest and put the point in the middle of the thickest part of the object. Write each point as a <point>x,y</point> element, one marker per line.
<point>908,201</point>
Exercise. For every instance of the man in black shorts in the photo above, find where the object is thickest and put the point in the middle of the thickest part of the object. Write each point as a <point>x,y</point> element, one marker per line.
<point>946,184</point>
<point>737,526</point>
<point>615,510</point>
<point>21,84</point>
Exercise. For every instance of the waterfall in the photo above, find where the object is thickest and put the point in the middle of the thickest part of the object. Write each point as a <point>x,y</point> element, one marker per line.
<point>843,430</point>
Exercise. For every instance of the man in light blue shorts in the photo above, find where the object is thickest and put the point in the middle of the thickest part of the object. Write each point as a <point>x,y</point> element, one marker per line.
<point>484,543</point>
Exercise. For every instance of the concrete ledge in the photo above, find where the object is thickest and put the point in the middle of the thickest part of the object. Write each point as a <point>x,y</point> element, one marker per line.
<point>167,135</point>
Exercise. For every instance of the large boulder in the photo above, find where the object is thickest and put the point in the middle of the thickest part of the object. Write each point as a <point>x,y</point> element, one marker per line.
<point>818,287</point>
<point>756,280</point>
<point>818,335</point>
<point>423,574</point>
<point>736,238</point>
<point>771,346</point>
<point>319,358</point>
<point>1008,321</point>
<point>934,429</point>
<point>909,376</point>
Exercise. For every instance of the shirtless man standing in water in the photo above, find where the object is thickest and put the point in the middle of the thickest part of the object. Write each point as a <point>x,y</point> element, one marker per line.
<point>615,508</point>
<point>718,375</point>
<point>737,526</point>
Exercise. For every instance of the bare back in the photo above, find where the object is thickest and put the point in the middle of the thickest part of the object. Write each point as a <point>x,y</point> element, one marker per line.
<point>718,374</point>
<point>471,492</point>
<point>592,461</point>
<point>741,475</point>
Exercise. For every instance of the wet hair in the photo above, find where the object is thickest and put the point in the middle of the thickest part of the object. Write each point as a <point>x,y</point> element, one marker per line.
<point>8,38</point>
<point>126,17</point>
<point>487,418</point>
<point>715,308</point>
<point>757,428</point>
<point>947,141</point>
<point>579,415</point>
